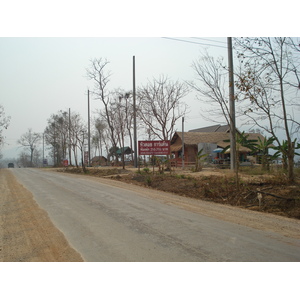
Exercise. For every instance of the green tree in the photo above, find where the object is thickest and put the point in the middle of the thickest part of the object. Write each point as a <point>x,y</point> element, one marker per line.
<point>262,148</point>
<point>282,149</point>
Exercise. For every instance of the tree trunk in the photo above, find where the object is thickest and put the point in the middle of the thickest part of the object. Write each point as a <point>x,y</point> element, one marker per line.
<point>291,176</point>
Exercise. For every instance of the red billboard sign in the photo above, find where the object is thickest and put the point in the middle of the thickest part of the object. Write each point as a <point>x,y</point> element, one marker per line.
<point>154,147</point>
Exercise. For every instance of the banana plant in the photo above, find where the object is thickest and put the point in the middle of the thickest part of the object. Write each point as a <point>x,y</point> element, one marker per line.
<point>199,157</point>
<point>262,147</point>
<point>283,150</point>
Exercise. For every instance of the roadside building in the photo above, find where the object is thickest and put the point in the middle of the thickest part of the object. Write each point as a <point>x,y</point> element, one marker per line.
<point>212,140</point>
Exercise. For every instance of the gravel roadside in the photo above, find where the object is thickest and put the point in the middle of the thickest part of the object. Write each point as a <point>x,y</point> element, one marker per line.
<point>26,232</point>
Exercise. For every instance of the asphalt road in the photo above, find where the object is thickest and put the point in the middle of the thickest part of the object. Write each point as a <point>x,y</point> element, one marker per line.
<point>109,223</point>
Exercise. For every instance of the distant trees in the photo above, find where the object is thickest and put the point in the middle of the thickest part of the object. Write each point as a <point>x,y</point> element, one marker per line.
<point>99,136</point>
<point>77,136</point>
<point>56,135</point>
<point>64,133</point>
<point>30,140</point>
<point>4,122</point>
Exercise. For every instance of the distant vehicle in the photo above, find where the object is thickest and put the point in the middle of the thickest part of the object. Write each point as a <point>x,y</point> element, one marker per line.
<point>11,165</point>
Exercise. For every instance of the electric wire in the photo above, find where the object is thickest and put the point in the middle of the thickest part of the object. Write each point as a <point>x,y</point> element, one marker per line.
<point>180,40</point>
<point>215,41</point>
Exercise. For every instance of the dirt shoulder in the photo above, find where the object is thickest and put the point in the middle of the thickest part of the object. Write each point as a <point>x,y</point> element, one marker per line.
<point>26,232</point>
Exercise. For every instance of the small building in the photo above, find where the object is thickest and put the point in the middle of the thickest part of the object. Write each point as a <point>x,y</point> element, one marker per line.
<point>126,150</point>
<point>98,161</point>
<point>212,143</point>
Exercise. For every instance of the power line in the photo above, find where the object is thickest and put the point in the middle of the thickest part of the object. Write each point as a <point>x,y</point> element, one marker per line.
<point>215,41</point>
<point>180,40</point>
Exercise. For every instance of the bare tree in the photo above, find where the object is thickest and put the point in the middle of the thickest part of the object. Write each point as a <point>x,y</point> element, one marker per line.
<point>161,106</point>
<point>121,116</point>
<point>212,87</point>
<point>30,140</point>
<point>77,133</point>
<point>270,83</point>
<point>81,137</point>
<point>129,115</point>
<point>100,76</point>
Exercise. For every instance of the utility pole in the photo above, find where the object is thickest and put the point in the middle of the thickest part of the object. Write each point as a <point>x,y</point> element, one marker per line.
<point>70,150</point>
<point>233,157</point>
<point>134,117</point>
<point>89,131</point>
<point>43,147</point>
<point>182,152</point>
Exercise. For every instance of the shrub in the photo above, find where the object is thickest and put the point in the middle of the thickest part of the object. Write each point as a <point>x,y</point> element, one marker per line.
<point>148,180</point>
<point>146,170</point>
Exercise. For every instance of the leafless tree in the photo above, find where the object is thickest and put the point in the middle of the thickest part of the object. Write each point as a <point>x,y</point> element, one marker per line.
<point>30,140</point>
<point>126,98</point>
<point>212,87</point>
<point>160,106</point>
<point>269,82</point>
<point>100,76</point>
<point>77,136</point>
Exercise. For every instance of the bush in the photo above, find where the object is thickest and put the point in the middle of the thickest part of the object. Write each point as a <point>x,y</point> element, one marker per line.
<point>146,170</point>
<point>148,180</point>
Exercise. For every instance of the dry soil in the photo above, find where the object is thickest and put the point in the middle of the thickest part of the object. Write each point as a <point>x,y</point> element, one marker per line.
<point>26,232</point>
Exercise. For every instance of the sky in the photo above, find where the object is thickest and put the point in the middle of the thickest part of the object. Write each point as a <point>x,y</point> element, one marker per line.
<point>40,76</point>
<point>45,48</point>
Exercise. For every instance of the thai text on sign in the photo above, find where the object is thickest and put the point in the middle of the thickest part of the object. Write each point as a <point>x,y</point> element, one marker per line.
<point>154,147</point>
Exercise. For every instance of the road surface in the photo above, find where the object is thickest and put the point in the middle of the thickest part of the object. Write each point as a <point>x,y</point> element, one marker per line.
<point>110,221</point>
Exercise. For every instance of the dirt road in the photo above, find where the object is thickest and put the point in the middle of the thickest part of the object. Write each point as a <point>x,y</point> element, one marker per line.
<point>26,231</point>
<point>106,220</point>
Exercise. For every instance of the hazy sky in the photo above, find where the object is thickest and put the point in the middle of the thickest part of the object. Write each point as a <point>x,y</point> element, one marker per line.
<point>43,60</point>
<point>40,76</point>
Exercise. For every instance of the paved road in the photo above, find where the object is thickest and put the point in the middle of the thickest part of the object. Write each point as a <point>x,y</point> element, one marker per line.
<point>105,223</point>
